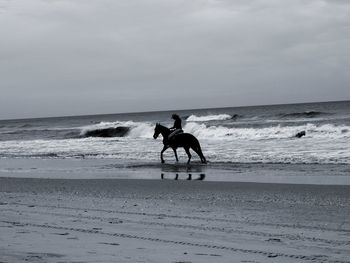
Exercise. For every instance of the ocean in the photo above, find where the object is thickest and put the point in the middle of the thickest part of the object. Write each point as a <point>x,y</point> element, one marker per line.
<point>264,135</point>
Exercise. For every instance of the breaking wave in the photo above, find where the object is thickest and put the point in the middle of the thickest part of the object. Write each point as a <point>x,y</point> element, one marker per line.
<point>203,131</point>
<point>206,131</point>
<point>108,132</point>
<point>118,129</point>
<point>212,132</point>
<point>219,117</point>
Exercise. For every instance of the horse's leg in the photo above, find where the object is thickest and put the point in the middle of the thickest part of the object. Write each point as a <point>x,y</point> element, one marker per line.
<point>200,154</point>
<point>188,154</point>
<point>174,149</point>
<point>161,153</point>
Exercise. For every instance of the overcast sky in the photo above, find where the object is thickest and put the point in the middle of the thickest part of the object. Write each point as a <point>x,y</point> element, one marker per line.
<point>73,57</point>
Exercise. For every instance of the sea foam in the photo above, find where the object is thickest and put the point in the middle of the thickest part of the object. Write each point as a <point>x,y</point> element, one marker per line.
<point>217,132</point>
<point>204,131</point>
<point>218,117</point>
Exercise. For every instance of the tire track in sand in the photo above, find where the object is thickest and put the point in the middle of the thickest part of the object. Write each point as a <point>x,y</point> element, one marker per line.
<point>114,220</point>
<point>175,242</point>
<point>247,222</point>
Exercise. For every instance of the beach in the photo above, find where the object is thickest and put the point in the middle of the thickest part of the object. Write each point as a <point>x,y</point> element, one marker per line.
<point>136,220</point>
<point>93,189</point>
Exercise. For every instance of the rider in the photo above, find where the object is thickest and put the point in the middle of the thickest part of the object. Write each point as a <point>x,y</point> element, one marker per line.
<point>177,128</point>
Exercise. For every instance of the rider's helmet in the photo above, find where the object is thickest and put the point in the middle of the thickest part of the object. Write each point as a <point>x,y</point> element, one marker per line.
<point>175,116</point>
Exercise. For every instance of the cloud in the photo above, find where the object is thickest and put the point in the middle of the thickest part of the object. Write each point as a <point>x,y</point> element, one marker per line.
<point>149,55</point>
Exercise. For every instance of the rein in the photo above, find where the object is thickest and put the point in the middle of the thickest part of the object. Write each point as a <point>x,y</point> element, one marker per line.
<point>164,131</point>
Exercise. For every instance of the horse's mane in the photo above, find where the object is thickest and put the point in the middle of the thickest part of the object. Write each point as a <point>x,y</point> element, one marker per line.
<point>162,126</point>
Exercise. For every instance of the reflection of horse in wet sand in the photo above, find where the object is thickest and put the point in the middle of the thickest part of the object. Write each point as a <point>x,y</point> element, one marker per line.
<point>200,177</point>
<point>185,140</point>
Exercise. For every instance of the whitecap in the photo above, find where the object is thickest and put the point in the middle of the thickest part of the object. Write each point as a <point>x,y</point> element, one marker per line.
<point>219,117</point>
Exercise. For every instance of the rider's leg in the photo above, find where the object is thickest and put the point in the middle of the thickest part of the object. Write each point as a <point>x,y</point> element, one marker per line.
<point>177,131</point>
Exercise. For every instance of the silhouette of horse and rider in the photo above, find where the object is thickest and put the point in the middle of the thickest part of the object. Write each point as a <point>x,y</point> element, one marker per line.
<point>175,138</point>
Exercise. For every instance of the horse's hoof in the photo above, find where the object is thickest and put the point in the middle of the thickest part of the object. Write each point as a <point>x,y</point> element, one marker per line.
<point>163,161</point>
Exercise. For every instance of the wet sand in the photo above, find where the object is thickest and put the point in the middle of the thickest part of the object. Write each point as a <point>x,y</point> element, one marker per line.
<point>320,174</point>
<point>118,220</point>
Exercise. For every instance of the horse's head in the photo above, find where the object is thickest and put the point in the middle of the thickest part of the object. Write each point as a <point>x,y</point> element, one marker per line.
<point>156,131</point>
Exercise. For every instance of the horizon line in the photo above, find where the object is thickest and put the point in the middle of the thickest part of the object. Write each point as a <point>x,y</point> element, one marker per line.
<point>154,111</point>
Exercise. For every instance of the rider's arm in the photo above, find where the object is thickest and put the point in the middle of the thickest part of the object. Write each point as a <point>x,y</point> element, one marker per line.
<point>174,126</point>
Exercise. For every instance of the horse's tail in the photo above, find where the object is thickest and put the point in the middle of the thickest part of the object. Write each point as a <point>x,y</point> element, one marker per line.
<point>197,148</point>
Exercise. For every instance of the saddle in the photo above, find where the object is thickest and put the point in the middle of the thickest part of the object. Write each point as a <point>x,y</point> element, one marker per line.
<point>174,133</point>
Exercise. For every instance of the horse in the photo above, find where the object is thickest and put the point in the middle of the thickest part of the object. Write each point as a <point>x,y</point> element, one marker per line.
<point>185,140</point>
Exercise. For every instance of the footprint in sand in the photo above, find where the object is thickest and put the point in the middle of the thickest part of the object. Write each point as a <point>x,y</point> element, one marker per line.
<point>106,243</point>
<point>61,234</point>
